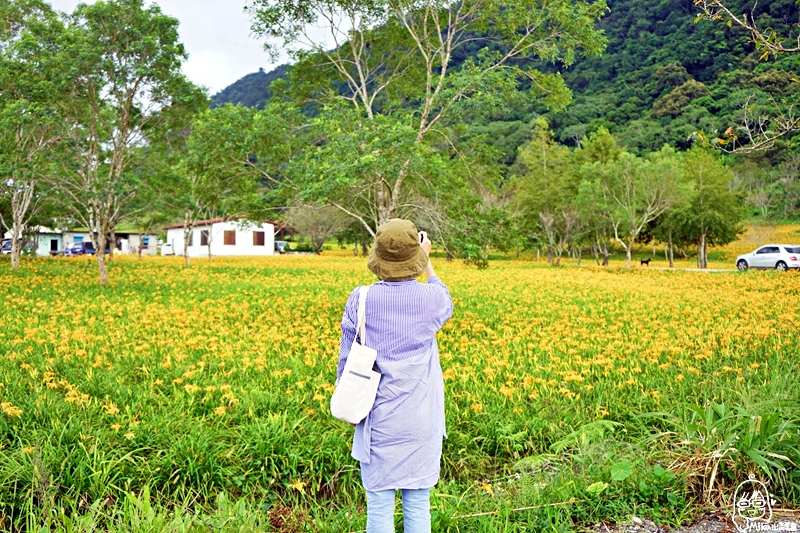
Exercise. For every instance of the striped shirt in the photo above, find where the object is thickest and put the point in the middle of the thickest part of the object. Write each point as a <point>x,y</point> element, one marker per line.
<point>402,318</point>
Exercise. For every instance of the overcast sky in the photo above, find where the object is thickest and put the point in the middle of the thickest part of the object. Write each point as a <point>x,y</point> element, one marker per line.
<point>216,34</point>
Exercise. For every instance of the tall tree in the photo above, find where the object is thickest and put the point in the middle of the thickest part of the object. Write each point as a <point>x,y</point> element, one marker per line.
<point>546,191</point>
<point>124,62</point>
<point>599,147</point>
<point>714,214</point>
<point>30,127</point>
<point>395,58</point>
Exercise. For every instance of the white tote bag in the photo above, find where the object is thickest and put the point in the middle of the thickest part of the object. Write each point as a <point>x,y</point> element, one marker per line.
<point>354,395</point>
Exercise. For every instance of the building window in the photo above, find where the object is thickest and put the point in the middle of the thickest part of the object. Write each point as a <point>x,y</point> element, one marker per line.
<point>230,238</point>
<point>191,239</point>
<point>204,237</point>
<point>258,238</point>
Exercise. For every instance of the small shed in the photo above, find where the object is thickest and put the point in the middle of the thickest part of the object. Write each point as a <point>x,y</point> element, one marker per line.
<point>233,237</point>
<point>48,241</point>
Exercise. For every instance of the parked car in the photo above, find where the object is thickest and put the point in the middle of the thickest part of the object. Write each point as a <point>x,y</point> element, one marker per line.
<point>5,248</point>
<point>80,248</point>
<point>777,256</point>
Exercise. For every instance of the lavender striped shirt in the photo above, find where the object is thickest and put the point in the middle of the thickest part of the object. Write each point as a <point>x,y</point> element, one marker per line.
<point>402,319</point>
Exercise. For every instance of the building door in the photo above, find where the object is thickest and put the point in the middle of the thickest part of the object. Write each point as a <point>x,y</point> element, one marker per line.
<point>53,245</point>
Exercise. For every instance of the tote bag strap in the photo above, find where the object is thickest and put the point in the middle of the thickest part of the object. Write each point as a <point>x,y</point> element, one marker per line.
<point>361,322</point>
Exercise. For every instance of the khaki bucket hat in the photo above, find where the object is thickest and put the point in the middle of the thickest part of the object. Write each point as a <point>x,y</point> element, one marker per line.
<point>397,255</point>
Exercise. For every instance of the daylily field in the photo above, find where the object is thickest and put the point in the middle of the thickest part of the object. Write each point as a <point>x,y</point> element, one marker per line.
<point>198,396</point>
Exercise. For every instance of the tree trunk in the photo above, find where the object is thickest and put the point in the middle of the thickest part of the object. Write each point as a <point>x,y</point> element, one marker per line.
<point>671,251</point>
<point>702,260</point>
<point>16,246</point>
<point>628,255</point>
<point>579,253</point>
<point>364,248</point>
<point>112,241</point>
<point>188,226</point>
<point>99,248</point>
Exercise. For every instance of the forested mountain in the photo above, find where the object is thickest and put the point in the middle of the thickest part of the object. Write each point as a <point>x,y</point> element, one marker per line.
<point>252,90</point>
<point>662,77</point>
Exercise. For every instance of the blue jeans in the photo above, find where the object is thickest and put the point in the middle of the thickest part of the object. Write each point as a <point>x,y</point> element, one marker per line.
<point>416,511</point>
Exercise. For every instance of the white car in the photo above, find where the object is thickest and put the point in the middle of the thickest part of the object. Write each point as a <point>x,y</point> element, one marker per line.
<point>777,256</point>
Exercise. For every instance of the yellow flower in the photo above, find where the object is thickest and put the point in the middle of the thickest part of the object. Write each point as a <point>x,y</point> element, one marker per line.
<point>476,407</point>
<point>116,427</point>
<point>487,487</point>
<point>111,409</point>
<point>220,411</point>
<point>10,410</point>
<point>28,449</point>
<point>129,435</point>
<point>299,486</point>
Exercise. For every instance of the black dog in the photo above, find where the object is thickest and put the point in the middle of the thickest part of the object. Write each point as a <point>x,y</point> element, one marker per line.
<point>646,262</point>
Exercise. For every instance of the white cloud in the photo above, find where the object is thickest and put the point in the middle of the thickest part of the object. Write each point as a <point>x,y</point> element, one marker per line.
<point>216,34</point>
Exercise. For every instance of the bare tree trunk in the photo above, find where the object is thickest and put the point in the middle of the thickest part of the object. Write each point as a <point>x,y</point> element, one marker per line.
<point>16,248</point>
<point>579,253</point>
<point>188,226</point>
<point>99,250</point>
<point>112,241</point>
<point>20,202</point>
<point>702,259</point>
<point>671,249</point>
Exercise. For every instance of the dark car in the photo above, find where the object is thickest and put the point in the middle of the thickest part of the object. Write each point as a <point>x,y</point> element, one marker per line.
<point>80,248</point>
<point>5,248</point>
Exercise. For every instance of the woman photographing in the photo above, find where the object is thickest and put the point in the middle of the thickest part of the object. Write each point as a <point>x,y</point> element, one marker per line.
<point>399,443</point>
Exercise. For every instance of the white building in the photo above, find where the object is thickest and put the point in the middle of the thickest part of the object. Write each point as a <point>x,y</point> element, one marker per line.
<point>227,237</point>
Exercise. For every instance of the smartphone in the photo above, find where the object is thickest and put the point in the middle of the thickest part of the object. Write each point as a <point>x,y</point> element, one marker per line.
<point>422,236</point>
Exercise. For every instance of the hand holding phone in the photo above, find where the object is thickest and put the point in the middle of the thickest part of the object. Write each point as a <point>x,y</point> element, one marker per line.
<point>424,242</point>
